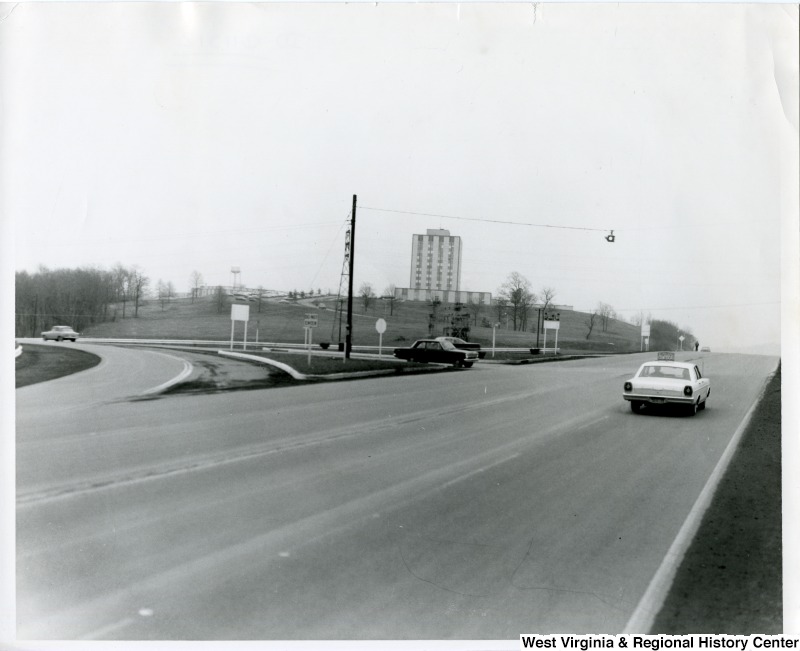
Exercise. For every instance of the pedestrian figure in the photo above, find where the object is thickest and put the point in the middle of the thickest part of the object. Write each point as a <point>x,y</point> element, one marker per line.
<point>696,345</point>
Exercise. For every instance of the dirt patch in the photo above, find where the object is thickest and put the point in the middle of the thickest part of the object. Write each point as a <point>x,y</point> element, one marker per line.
<point>213,373</point>
<point>731,578</point>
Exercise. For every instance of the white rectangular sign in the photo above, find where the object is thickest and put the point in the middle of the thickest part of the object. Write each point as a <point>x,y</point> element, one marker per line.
<point>551,325</point>
<point>310,323</point>
<point>645,330</point>
<point>240,312</point>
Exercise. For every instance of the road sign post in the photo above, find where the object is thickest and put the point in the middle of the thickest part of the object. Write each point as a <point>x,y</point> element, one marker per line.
<point>551,324</point>
<point>380,326</point>
<point>239,313</point>
<point>309,323</point>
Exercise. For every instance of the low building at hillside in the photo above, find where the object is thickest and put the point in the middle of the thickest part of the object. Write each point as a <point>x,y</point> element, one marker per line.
<point>444,295</point>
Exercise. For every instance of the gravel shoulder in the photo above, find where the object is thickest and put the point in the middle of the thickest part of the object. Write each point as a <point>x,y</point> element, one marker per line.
<point>730,580</point>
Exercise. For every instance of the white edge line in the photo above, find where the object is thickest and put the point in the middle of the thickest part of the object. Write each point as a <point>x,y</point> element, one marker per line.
<point>651,602</point>
<point>263,360</point>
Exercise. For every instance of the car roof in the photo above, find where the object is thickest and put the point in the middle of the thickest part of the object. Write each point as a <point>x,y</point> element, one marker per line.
<point>666,363</point>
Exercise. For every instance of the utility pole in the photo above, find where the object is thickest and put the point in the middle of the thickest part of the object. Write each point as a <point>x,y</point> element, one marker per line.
<point>348,338</point>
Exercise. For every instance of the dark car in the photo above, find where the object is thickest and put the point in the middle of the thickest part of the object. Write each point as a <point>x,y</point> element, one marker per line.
<point>464,345</point>
<point>437,351</point>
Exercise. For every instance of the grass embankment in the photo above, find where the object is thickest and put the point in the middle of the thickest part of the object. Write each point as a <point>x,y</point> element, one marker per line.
<point>730,580</point>
<point>281,321</point>
<point>42,363</point>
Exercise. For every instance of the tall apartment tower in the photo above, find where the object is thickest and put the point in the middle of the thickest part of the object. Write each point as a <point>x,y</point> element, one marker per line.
<point>436,261</point>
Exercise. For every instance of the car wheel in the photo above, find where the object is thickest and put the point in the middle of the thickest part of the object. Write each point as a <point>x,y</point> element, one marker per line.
<point>702,405</point>
<point>468,364</point>
<point>458,363</point>
<point>636,406</point>
<point>58,338</point>
<point>73,340</point>
<point>693,409</point>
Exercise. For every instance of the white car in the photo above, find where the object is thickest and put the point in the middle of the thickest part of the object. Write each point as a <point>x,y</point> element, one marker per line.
<point>666,381</point>
<point>59,333</point>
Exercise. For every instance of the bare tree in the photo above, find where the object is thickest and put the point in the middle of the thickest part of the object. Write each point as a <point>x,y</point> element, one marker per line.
<point>501,308</point>
<point>517,292</point>
<point>606,313</point>
<point>122,285</point>
<point>546,297</point>
<point>590,321</point>
<point>260,297</point>
<point>219,299</point>
<point>139,283</point>
<point>367,295</point>
<point>195,282</point>
<point>161,292</point>
<point>388,295</point>
<point>476,307</point>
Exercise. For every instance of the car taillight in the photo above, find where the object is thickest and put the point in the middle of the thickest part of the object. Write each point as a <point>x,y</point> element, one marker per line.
<point>687,390</point>
<point>628,386</point>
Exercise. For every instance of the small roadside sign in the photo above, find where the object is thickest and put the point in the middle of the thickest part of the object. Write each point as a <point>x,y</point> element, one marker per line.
<point>310,321</point>
<point>380,326</point>
<point>240,313</point>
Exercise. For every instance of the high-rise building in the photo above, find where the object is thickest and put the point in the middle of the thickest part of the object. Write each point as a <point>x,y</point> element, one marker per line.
<point>436,261</point>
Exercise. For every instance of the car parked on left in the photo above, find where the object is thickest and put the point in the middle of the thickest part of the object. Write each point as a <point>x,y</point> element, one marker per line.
<point>59,333</point>
<point>438,352</point>
<point>464,345</point>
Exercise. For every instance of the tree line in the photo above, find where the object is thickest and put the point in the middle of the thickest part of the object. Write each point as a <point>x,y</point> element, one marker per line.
<point>76,297</point>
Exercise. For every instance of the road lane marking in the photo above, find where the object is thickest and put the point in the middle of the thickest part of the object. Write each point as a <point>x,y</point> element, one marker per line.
<point>643,617</point>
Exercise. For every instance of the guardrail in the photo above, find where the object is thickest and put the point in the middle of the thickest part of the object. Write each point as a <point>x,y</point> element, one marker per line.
<point>254,345</point>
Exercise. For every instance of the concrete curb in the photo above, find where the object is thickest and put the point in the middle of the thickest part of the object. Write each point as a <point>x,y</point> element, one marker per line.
<point>297,375</point>
<point>187,370</point>
<point>264,360</point>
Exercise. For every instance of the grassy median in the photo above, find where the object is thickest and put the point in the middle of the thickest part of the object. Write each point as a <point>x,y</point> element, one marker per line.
<point>42,363</point>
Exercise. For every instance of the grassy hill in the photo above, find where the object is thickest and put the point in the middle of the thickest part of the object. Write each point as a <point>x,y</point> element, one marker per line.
<point>282,321</point>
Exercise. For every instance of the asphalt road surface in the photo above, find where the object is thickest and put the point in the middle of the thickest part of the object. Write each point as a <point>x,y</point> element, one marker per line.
<point>469,505</point>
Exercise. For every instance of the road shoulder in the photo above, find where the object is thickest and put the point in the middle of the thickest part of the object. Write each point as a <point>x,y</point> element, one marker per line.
<point>730,580</point>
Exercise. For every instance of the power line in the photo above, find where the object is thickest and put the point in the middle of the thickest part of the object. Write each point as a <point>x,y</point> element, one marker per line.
<point>483,219</point>
<point>333,243</point>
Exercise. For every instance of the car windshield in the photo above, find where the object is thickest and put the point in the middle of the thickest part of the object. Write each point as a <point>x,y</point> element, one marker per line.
<point>662,371</point>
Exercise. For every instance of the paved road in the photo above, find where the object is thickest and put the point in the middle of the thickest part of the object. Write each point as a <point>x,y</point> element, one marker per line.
<point>470,505</point>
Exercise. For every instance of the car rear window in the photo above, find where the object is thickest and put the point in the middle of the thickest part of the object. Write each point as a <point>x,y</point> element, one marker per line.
<point>669,372</point>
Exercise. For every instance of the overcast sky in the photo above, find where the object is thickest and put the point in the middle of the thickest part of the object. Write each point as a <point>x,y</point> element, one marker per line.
<point>181,137</point>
